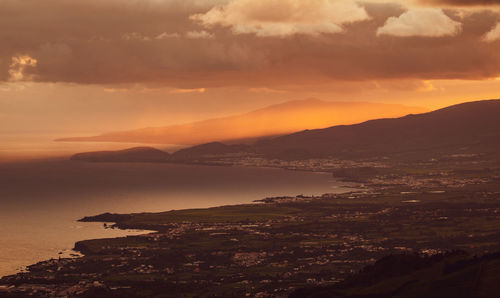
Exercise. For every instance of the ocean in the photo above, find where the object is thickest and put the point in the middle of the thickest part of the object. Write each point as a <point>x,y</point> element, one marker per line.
<point>40,200</point>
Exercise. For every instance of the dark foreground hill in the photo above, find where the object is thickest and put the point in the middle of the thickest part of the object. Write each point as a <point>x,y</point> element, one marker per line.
<point>464,128</point>
<point>412,276</point>
<point>138,154</point>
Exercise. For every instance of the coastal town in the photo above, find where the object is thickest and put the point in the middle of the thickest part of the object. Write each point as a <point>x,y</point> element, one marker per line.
<point>449,170</point>
<point>270,248</point>
<point>277,245</point>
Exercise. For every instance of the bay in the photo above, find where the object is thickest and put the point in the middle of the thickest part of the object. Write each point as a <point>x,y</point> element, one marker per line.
<point>40,201</point>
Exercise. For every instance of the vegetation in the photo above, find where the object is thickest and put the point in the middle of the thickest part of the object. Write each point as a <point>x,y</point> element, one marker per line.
<point>305,246</point>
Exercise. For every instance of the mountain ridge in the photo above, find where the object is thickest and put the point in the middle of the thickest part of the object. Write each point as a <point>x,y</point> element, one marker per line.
<point>468,124</point>
<point>467,128</point>
<point>278,119</point>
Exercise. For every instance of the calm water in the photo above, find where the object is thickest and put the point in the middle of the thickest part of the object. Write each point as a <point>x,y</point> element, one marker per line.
<point>40,201</point>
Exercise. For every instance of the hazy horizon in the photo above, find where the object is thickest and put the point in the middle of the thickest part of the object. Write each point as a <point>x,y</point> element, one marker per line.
<point>268,121</point>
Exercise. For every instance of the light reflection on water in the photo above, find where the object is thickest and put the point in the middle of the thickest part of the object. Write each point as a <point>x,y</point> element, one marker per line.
<point>32,241</point>
<point>41,200</point>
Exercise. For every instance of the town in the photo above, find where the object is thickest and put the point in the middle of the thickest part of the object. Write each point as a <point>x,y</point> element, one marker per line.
<point>272,247</point>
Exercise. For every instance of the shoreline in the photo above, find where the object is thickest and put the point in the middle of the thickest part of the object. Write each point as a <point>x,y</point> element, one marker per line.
<point>328,238</point>
<point>63,161</point>
<point>282,244</point>
<point>69,251</point>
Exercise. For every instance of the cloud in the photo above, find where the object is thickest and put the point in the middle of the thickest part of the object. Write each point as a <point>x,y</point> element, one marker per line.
<point>427,22</point>
<point>185,91</point>
<point>267,90</point>
<point>18,67</point>
<point>165,35</point>
<point>283,17</point>
<point>199,34</point>
<point>156,44</point>
<point>135,36</point>
<point>462,2</point>
<point>493,34</point>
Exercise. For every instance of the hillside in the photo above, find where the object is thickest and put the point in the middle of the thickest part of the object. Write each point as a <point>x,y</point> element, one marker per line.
<point>274,120</point>
<point>138,154</point>
<point>449,275</point>
<point>472,127</point>
<point>209,149</point>
<point>468,128</point>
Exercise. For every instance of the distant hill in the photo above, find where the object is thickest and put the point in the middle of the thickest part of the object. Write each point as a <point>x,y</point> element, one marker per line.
<point>450,275</point>
<point>138,154</point>
<point>464,128</point>
<point>468,128</point>
<point>207,150</point>
<point>274,120</point>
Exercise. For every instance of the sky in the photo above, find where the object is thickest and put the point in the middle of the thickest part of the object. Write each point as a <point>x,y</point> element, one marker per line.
<point>91,66</point>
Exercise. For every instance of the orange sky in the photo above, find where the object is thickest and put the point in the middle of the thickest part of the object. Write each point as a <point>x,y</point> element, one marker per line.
<point>90,66</point>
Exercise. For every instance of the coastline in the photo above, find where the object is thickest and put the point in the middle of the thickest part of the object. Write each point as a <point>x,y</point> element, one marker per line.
<point>68,251</point>
<point>19,171</point>
<point>285,243</point>
<point>211,250</point>
<point>327,238</point>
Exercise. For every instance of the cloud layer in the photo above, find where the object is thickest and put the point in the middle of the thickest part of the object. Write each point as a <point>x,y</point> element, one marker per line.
<point>463,2</point>
<point>283,17</point>
<point>193,44</point>
<point>493,35</point>
<point>430,22</point>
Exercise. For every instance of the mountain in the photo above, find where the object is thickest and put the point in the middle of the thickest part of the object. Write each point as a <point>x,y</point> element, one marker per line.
<point>468,128</point>
<point>274,120</point>
<point>138,154</point>
<point>471,127</point>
